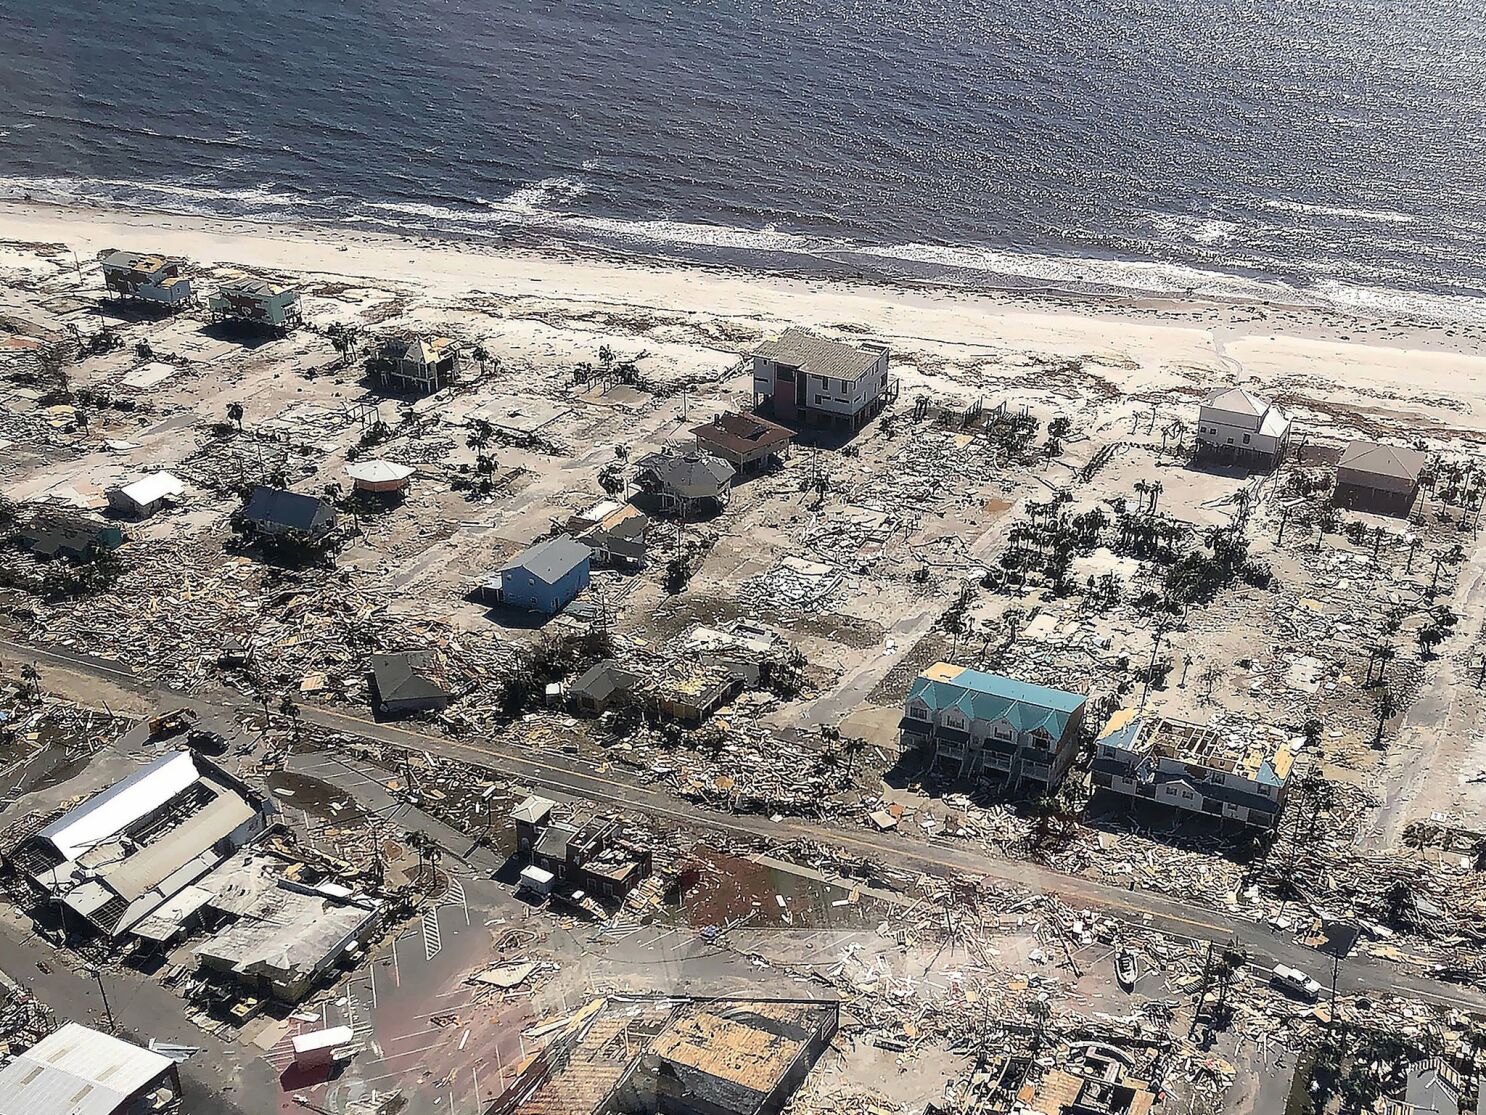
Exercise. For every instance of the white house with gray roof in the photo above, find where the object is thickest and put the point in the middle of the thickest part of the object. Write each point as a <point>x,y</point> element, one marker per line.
<point>1236,424</point>
<point>802,377</point>
<point>976,724</point>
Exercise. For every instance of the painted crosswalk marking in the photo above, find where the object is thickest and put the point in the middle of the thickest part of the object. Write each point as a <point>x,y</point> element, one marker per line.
<point>433,940</point>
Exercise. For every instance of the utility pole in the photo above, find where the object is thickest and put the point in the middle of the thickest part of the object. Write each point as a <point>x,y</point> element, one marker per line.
<point>103,993</point>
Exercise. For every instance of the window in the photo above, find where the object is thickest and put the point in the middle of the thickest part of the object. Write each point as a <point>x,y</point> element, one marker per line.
<point>1246,439</point>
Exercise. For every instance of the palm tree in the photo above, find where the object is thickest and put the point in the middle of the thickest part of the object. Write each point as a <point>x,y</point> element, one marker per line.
<point>32,677</point>
<point>481,355</point>
<point>235,415</point>
<point>852,747</point>
<point>291,710</point>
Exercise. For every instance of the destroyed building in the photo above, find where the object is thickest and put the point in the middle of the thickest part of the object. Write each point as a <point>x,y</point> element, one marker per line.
<point>748,442</point>
<point>407,682</point>
<point>78,1071</point>
<point>802,377</point>
<point>675,1057</point>
<point>58,532</point>
<point>254,301</point>
<point>687,484</point>
<point>1191,767</point>
<point>274,512</point>
<point>121,855</point>
<point>1236,425</point>
<point>1093,1079</point>
<point>1379,478</point>
<point>977,724</point>
<point>146,278</point>
<point>546,577</point>
<point>686,688</point>
<point>734,1058</point>
<point>615,532</point>
<point>281,936</point>
<point>418,365</point>
<point>601,857</point>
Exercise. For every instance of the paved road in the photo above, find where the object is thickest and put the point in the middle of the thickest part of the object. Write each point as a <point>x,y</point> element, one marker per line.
<point>143,1010</point>
<point>573,776</point>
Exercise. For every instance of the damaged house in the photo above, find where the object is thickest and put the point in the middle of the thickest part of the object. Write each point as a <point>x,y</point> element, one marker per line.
<point>121,855</point>
<point>57,532</point>
<point>276,513</point>
<point>135,276</point>
<point>1192,767</point>
<point>748,442</point>
<point>407,682</point>
<point>252,301</point>
<point>545,577</point>
<point>417,365</point>
<point>1380,478</point>
<point>1236,425</point>
<point>975,724</point>
<point>601,857</point>
<point>735,1057</point>
<point>687,484</point>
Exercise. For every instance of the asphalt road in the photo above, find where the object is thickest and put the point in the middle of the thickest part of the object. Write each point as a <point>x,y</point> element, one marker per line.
<point>143,1010</point>
<point>571,775</point>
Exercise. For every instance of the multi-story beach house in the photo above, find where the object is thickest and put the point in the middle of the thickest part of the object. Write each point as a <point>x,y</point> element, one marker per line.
<point>803,378</point>
<point>254,301</point>
<point>976,724</point>
<point>1192,767</point>
<point>146,278</point>
<point>1236,425</point>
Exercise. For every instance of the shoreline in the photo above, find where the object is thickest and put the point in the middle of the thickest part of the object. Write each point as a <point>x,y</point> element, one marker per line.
<point>1314,320</point>
<point>1338,371</point>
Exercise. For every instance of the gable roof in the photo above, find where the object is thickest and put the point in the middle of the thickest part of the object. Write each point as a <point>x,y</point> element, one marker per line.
<point>799,348</point>
<point>253,286</point>
<point>1236,400</point>
<point>739,433</point>
<point>153,486</point>
<point>550,561</point>
<point>1383,460</point>
<point>286,509</point>
<point>983,696</point>
<point>77,1071</point>
<point>407,676</point>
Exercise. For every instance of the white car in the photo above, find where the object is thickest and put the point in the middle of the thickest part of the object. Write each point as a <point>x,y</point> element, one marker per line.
<point>1295,982</point>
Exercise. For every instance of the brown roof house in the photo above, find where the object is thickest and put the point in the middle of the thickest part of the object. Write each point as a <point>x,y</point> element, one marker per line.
<point>1381,478</point>
<point>745,441</point>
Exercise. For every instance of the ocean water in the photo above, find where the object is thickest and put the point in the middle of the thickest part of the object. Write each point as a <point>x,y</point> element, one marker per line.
<point>1317,151</point>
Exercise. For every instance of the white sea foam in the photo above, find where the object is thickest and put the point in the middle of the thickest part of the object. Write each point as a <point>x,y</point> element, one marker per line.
<point>537,205</point>
<point>1380,216</point>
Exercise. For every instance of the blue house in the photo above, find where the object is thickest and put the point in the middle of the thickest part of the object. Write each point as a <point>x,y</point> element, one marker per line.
<point>975,724</point>
<point>546,577</point>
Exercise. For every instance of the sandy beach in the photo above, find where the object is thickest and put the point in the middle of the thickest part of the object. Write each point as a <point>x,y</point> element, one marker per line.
<point>1384,376</point>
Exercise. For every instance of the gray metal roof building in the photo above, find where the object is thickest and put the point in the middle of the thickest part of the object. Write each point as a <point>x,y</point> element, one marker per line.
<point>78,1071</point>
